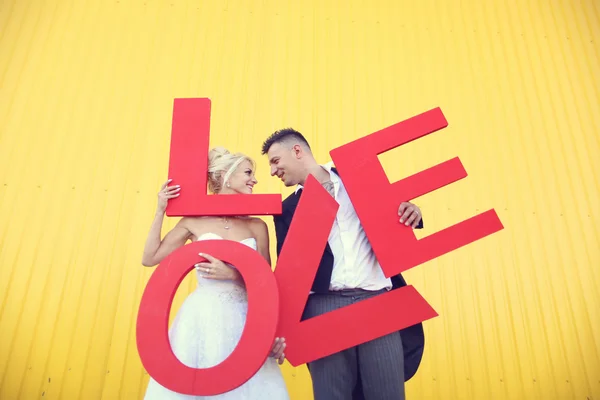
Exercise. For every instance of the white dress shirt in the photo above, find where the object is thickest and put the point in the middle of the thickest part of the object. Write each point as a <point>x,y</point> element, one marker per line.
<point>354,265</point>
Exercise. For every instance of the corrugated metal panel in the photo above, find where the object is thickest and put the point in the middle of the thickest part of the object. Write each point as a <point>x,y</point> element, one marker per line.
<point>86,93</point>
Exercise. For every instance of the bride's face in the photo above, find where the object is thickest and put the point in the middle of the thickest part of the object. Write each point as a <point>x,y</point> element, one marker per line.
<point>242,180</point>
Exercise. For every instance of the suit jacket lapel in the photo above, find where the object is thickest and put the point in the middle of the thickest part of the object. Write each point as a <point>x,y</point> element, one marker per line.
<point>293,202</point>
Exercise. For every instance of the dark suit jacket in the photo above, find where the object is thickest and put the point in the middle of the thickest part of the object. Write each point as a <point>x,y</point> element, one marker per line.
<point>413,340</point>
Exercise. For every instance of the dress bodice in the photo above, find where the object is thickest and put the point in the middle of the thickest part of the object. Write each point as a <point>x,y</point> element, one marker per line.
<point>250,242</point>
<point>224,288</point>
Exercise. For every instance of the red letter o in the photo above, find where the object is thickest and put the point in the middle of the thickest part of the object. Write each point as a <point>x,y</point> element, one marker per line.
<point>257,337</point>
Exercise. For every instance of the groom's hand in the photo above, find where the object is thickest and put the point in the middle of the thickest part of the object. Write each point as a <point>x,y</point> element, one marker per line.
<point>410,214</point>
<point>277,350</point>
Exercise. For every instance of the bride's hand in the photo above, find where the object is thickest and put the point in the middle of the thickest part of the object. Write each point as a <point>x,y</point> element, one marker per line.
<point>216,269</point>
<point>277,350</point>
<point>166,193</point>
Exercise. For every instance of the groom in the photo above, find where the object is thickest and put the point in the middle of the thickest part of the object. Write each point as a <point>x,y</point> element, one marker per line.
<point>348,272</point>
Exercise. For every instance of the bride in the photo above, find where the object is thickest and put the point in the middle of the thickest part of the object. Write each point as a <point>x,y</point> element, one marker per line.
<point>210,322</point>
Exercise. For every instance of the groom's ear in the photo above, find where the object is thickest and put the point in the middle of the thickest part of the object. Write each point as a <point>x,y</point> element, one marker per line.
<point>298,151</point>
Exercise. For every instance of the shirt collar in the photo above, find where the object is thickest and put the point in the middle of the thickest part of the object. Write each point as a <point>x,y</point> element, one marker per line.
<point>327,167</point>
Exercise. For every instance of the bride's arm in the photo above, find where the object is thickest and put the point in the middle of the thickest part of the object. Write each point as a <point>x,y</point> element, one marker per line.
<point>261,233</point>
<point>156,249</point>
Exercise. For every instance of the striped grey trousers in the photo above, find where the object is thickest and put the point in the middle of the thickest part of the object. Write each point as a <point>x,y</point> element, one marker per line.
<point>370,371</point>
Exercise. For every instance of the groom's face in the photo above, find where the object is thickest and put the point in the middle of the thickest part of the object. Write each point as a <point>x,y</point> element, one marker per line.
<point>285,163</point>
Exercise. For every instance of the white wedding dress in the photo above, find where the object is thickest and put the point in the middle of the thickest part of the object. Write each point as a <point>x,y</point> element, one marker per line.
<point>205,331</point>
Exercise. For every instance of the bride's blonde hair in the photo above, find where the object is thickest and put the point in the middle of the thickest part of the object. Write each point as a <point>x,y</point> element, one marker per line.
<point>221,164</point>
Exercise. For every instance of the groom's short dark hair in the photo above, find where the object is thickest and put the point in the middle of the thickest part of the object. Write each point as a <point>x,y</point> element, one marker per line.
<point>283,135</point>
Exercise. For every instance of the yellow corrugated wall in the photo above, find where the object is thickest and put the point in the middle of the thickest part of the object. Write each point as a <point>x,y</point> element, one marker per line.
<point>86,95</point>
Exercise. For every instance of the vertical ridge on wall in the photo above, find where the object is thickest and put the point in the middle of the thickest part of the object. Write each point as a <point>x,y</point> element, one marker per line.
<point>86,97</point>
